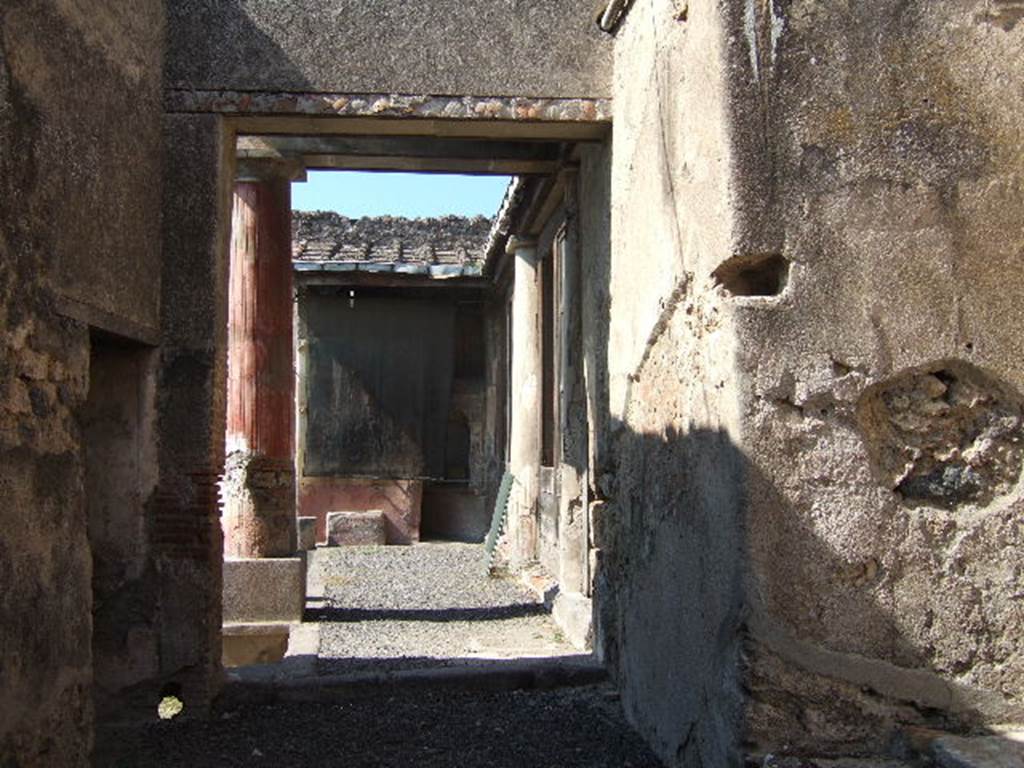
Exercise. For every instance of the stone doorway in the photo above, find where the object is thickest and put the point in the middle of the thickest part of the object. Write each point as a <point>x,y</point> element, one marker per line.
<point>341,423</point>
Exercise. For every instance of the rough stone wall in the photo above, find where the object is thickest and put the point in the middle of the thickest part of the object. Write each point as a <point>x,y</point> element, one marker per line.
<point>879,155</point>
<point>479,47</point>
<point>191,402</point>
<point>76,149</point>
<point>811,524</point>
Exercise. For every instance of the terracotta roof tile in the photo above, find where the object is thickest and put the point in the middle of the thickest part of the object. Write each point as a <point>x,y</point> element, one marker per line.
<point>324,236</point>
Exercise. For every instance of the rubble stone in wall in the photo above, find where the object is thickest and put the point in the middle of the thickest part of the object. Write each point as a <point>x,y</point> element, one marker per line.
<point>946,434</point>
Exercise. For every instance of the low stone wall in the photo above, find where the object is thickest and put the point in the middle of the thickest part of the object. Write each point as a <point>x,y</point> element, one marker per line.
<point>399,500</point>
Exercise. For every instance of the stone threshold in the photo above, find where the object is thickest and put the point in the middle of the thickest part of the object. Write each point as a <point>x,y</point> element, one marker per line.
<point>268,684</point>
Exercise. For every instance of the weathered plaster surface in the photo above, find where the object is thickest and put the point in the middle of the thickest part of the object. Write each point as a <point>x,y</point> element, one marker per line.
<point>671,528</point>
<point>107,165</point>
<point>814,494</point>
<point>79,166</point>
<point>516,48</point>
<point>880,154</point>
<point>120,472</point>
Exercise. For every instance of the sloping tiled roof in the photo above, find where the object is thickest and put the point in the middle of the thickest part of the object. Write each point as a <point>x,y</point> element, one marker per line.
<point>443,247</point>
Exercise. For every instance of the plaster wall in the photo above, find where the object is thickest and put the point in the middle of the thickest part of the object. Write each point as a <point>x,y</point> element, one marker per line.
<point>585,441</point>
<point>495,430</point>
<point>550,537</point>
<point>670,528</point>
<point>106,182</point>
<point>880,155</point>
<point>117,422</point>
<point>574,544</point>
<point>594,232</point>
<point>811,502</point>
<point>400,500</point>
<point>78,151</point>
<point>549,48</point>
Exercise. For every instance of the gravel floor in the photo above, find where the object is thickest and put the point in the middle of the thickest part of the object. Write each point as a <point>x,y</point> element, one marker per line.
<point>427,605</point>
<point>430,576</point>
<point>568,728</point>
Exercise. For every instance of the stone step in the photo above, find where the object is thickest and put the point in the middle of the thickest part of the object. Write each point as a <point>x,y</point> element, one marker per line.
<point>262,686</point>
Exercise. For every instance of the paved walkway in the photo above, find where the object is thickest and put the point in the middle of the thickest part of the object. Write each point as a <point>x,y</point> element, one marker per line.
<point>413,656</point>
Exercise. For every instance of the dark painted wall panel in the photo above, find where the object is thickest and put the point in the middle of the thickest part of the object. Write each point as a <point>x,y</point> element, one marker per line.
<point>378,386</point>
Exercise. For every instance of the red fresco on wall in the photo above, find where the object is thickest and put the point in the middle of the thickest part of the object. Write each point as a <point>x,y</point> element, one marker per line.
<point>399,500</point>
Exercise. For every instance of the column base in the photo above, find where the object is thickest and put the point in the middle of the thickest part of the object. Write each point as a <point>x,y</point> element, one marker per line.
<point>574,615</point>
<point>259,505</point>
<point>264,598</point>
<point>356,529</point>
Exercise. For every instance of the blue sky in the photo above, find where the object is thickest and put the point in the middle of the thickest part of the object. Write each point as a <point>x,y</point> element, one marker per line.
<point>364,193</point>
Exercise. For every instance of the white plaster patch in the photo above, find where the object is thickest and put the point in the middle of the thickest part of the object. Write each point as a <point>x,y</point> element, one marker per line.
<point>750,30</point>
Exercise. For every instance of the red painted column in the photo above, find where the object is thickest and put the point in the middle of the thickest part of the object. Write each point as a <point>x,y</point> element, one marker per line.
<point>259,479</point>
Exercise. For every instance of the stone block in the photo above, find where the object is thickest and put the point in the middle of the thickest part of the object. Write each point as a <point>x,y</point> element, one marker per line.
<point>307,533</point>
<point>271,589</point>
<point>400,501</point>
<point>356,528</point>
<point>574,615</point>
<point>256,643</point>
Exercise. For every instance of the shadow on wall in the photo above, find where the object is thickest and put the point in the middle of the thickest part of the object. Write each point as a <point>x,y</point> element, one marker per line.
<point>670,588</point>
<point>707,675</point>
<point>251,50</point>
<point>191,391</point>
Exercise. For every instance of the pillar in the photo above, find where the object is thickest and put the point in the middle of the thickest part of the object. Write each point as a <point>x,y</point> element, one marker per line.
<point>525,391</point>
<point>573,535</point>
<point>259,480</point>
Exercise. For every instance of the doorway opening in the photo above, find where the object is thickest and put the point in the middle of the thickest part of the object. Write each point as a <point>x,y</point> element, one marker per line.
<point>117,422</point>
<point>404,408</point>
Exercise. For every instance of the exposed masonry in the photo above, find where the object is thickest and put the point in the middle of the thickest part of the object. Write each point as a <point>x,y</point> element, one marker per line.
<point>441,247</point>
<point>265,488</point>
<point>390,105</point>
<point>948,434</point>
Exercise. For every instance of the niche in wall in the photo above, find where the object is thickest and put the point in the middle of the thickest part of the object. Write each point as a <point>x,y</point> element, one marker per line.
<point>117,422</point>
